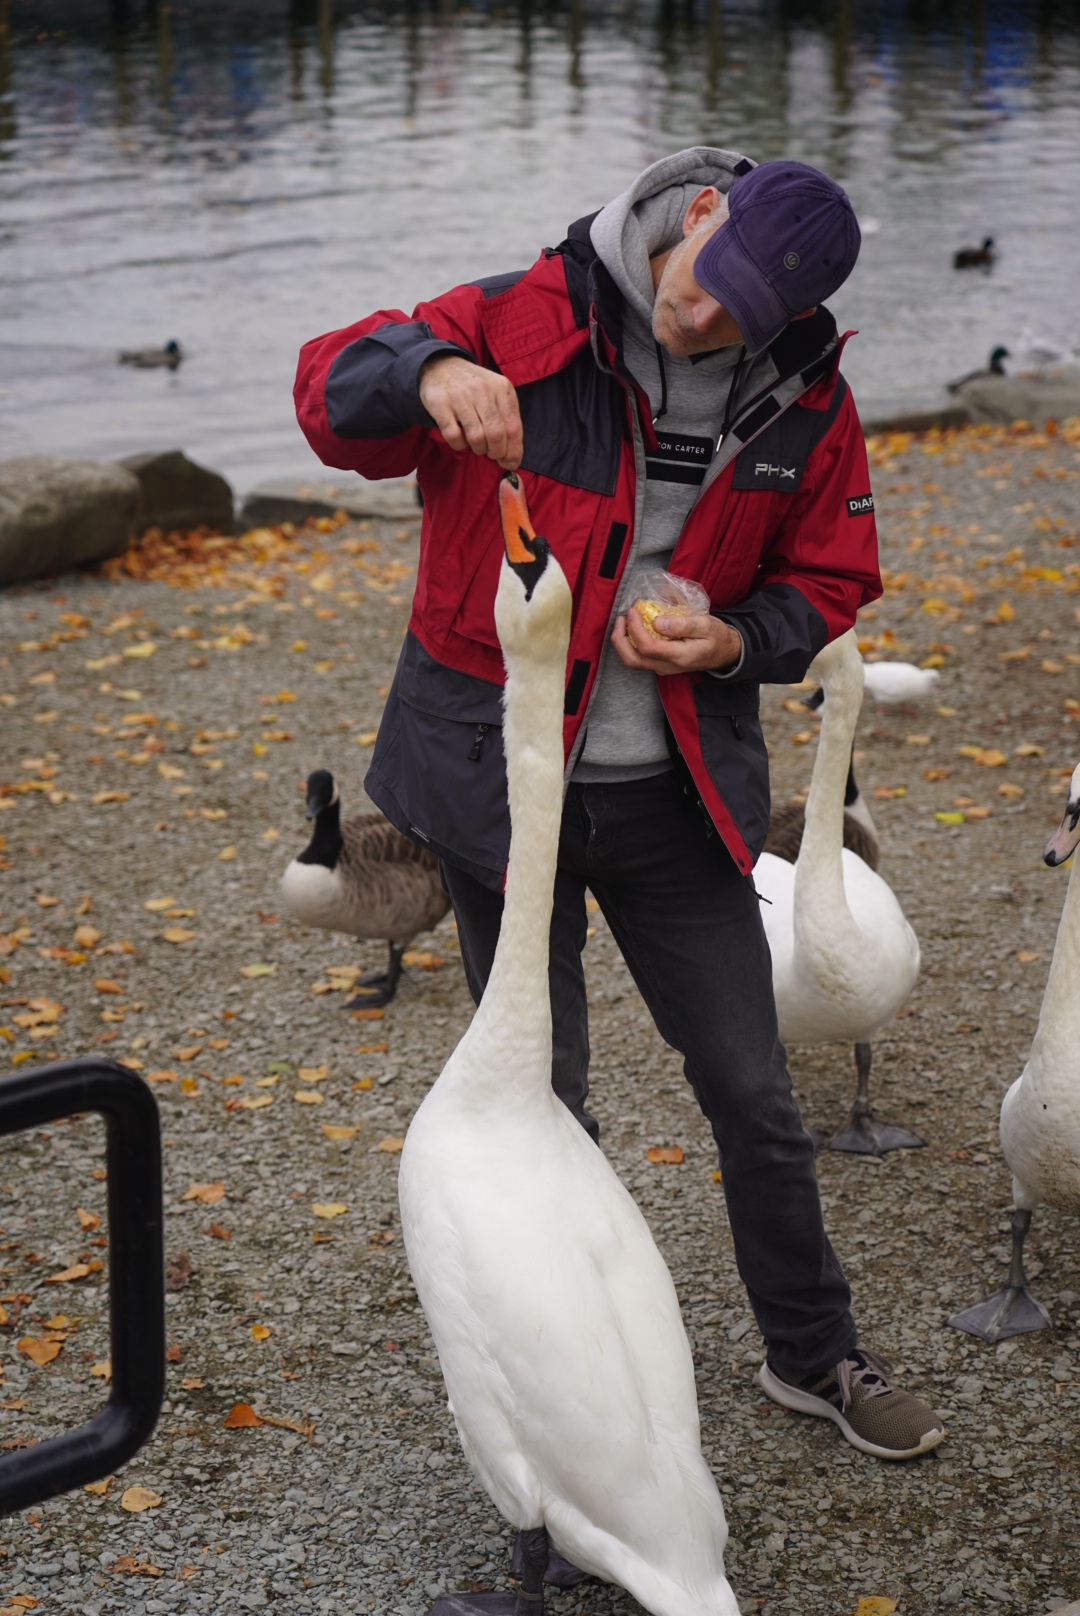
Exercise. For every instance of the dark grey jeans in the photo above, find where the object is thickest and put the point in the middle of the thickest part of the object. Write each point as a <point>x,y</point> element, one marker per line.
<point>689,927</point>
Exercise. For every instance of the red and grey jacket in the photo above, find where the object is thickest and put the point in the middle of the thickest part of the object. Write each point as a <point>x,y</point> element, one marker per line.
<point>781,536</point>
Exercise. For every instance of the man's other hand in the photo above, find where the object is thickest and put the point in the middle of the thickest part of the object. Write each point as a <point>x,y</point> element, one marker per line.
<point>691,644</point>
<point>473,408</point>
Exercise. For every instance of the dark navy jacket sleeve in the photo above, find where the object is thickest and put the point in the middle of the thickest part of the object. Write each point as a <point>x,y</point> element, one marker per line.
<point>372,390</point>
<point>782,633</point>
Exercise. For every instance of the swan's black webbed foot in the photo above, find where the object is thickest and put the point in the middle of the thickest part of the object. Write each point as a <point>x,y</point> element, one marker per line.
<point>1011,1309</point>
<point>533,1558</point>
<point>864,1135</point>
<point>560,1573</point>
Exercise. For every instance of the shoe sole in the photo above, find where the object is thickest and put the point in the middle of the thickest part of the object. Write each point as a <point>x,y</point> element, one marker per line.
<point>806,1403</point>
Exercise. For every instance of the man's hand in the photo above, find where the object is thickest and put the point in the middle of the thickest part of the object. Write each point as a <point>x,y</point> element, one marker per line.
<point>691,644</point>
<point>473,408</point>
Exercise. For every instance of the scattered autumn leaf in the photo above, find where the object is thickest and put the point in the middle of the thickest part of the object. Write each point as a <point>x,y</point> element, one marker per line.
<point>313,1074</point>
<point>333,1130</point>
<point>173,1354</point>
<point>88,1221</point>
<point>308,1097</point>
<point>936,774</point>
<point>365,1083</point>
<point>256,1102</point>
<point>192,1383</point>
<point>261,1332</point>
<point>367,737</point>
<point>105,984</point>
<point>367,1015</point>
<point>87,936</point>
<point>161,1077</point>
<point>876,1605</point>
<point>190,1085</point>
<point>40,1352</point>
<point>208,1194</point>
<point>665,1153</point>
<point>101,797</point>
<point>226,854</point>
<point>103,1370</point>
<point>177,934</point>
<point>216,1232</point>
<point>422,958</point>
<point>948,817</point>
<point>260,968</point>
<point>98,1488</point>
<point>391,1146</point>
<point>241,1417</point>
<point>330,1209</point>
<point>136,1499</point>
<point>1026,957</point>
<point>1029,749</point>
<point>1009,788</point>
<point>373,1049</point>
<point>76,1271</point>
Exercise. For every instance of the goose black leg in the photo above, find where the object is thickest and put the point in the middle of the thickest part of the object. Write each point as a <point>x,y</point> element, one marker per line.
<point>864,1134</point>
<point>536,1552</point>
<point>1011,1309</point>
<point>378,987</point>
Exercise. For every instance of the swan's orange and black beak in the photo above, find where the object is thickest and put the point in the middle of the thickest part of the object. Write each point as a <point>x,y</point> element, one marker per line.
<point>526,552</point>
<point>1065,840</point>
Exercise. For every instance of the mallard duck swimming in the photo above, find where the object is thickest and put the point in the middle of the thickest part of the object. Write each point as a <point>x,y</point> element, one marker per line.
<point>975,257</point>
<point>365,879</point>
<point>167,358</point>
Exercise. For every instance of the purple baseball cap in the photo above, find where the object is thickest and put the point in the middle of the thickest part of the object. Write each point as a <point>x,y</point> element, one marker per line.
<point>790,239</point>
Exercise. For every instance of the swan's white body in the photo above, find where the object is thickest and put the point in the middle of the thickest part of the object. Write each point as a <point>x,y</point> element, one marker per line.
<point>844,957</point>
<point>1040,1115</point>
<point>891,682</point>
<point>557,1325</point>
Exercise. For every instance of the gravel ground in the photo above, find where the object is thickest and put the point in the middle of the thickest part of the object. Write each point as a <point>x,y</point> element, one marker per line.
<point>132,776</point>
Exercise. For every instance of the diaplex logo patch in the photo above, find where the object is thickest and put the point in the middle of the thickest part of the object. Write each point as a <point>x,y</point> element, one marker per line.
<point>762,468</point>
<point>861,505</point>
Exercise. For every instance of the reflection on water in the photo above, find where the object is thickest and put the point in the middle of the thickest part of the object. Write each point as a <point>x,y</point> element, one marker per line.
<point>241,176</point>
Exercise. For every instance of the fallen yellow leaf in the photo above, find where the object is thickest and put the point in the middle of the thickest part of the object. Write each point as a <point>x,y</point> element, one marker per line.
<point>190,1085</point>
<point>192,1383</point>
<point>105,984</point>
<point>876,1605</point>
<point>100,797</point>
<point>241,1417</point>
<point>665,1153</point>
<point>136,1499</point>
<point>144,648</point>
<point>1025,956</point>
<point>334,1130</point>
<point>261,1332</point>
<point>161,1077</point>
<point>368,737</point>
<point>208,1194</point>
<point>308,1097</point>
<point>39,1352</point>
<point>328,1209</point>
<point>102,1371</point>
<point>88,1221</point>
<point>270,835</point>
<point>313,1074</point>
<point>177,934</point>
<point>367,1015</point>
<point>949,818</point>
<point>77,1270</point>
<point>98,1488</point>
<point>87,936</point>
<point>260,968</point>
<point>159,905</point>
<point>268,1082</point>
<point>226,854</point>
<point>255,1102</point>
<point>365,1083</point>
<point>391,1146</point>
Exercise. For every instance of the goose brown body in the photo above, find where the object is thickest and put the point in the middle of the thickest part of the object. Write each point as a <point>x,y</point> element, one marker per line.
<point>786,826</point>
<point>390,887</point>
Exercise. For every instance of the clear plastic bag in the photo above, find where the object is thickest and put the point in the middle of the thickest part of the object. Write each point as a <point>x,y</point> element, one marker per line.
<point>657,593</point>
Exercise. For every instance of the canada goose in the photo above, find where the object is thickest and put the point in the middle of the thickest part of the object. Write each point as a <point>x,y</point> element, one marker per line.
<point>1040,1115</point>
<point>366,879</point>
<point>844,956</point>
<point>558,1329</point>
<point>975,257</point>
<point>994,367</point>
<point>168,357</point>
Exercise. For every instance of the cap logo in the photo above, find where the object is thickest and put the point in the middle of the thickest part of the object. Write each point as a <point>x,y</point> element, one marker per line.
<point>791,260</point>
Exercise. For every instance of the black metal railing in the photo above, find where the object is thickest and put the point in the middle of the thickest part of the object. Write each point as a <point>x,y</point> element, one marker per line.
<point>136,1272</point>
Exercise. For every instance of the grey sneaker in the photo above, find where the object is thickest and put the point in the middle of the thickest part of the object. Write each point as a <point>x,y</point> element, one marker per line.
<point>874,1415</point>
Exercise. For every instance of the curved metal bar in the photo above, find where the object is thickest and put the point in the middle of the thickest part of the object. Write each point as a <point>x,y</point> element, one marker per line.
<point>136,1272</point>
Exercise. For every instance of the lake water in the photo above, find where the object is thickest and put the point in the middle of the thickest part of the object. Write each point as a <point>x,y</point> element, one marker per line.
<point>241,177</point>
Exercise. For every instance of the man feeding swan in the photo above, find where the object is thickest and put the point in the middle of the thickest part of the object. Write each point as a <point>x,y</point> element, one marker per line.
<point>667,382</point>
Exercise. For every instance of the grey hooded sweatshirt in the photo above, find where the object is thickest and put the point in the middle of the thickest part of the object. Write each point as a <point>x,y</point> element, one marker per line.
<point>625,738</point>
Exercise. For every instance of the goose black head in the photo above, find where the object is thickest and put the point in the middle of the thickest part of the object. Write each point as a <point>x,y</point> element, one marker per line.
<point>526,552</point>
<point>322,792</point>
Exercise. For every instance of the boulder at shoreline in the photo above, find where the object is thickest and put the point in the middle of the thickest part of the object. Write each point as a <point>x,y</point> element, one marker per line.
<point>56,514</point>
<point>178,495</point>
<point>289,499</point>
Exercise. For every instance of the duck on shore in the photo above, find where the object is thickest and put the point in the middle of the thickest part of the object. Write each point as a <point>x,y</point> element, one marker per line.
<point>994,367</point>
<point>366,879</point>
<point>165,358</point>
<point>975,257</point>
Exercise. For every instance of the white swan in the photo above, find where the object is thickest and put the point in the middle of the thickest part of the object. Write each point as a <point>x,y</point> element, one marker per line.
<point>556,1322</point>
<point>844,956</point>
<point>1040,1115</point>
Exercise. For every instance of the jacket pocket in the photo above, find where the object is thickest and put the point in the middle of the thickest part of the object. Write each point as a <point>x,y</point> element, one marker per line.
<point>734,753</point>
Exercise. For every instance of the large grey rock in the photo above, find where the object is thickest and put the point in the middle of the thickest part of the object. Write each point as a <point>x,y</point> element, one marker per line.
<point>56,514</point>
<point>289,500</point>
<point>1000,400</point>
<point>177,494</point>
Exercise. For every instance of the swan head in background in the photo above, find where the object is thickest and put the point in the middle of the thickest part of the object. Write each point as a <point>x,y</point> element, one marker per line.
<point>1065,840</point>
<point>322,793</point>
<point>895,682</point>
<point>532,605</point>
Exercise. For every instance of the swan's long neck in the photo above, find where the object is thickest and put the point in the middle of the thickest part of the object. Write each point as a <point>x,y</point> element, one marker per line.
<point>819,872</point>
<point>515,1012</point>
<point>1058,1036</point>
